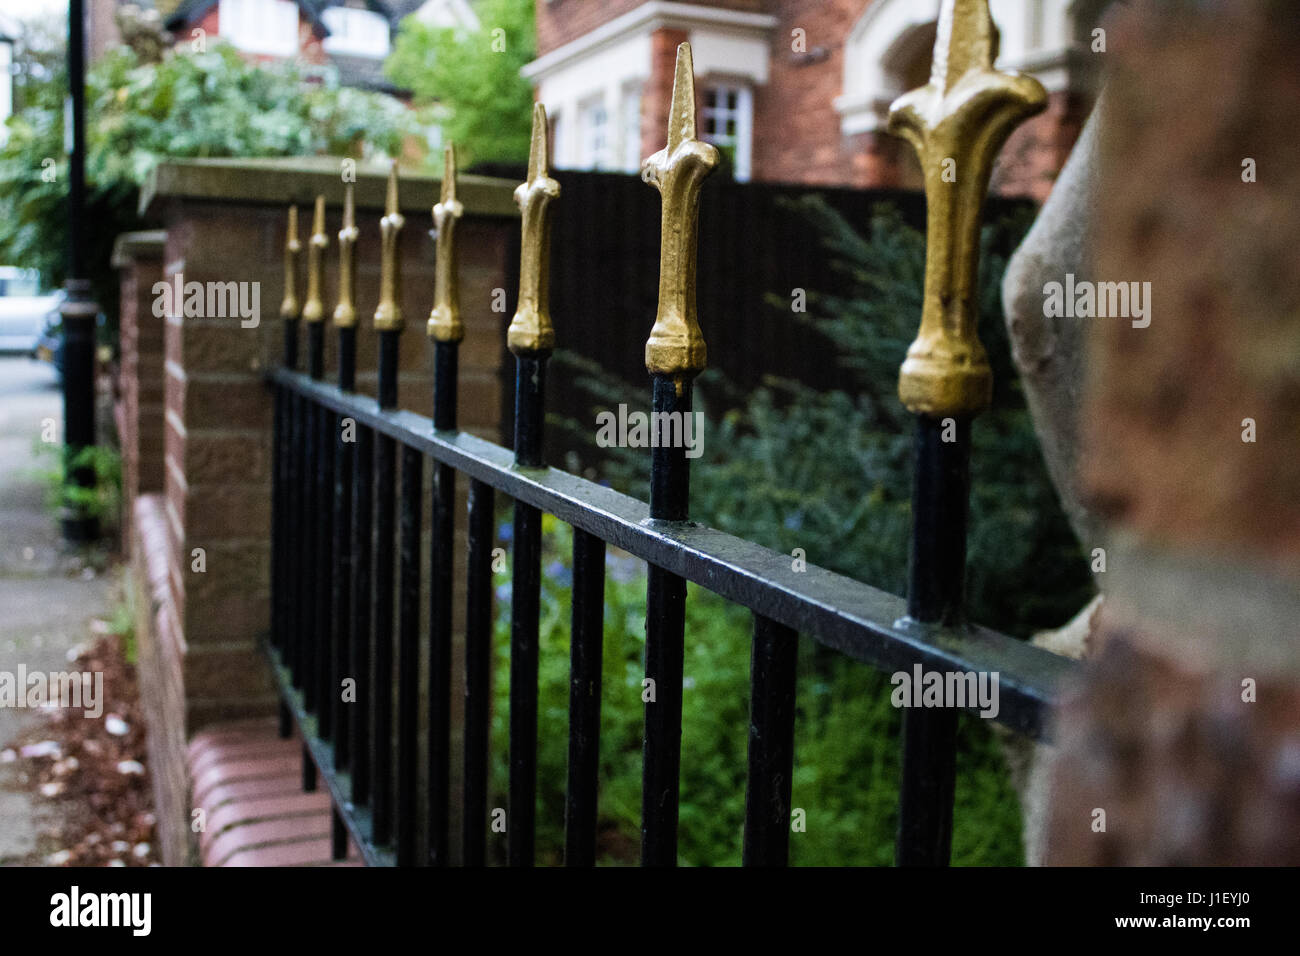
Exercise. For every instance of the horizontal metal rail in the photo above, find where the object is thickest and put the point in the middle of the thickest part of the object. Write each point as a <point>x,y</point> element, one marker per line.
<point>862,622</point>
<point>357,818</point>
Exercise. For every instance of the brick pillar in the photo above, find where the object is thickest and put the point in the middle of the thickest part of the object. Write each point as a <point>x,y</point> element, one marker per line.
<point>138,256</point>
<point>225,223</point>
<point>1185,729</point>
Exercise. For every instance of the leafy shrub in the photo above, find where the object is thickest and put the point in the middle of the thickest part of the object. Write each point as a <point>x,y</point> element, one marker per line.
<point>210,104</point>
<point>846,736</point>
<point>102,501</point>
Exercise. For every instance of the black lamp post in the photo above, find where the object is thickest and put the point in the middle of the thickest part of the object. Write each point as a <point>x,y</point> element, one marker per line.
<point>79,309</point>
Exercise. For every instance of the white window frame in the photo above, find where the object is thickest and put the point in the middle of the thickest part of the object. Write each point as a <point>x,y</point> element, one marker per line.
<point>743,115</point>
<point>629,107</point>
<point>356,32</point>
<point>268,27</point>
<point>594,140</point>
<point>558,120</point>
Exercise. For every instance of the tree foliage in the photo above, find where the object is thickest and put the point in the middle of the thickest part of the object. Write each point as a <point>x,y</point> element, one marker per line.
<point>192,104</point>
<point>470,79</point>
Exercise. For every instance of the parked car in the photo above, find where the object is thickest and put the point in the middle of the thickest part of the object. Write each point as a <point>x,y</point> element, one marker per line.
<point>49,347</point>
<point>24,311</point>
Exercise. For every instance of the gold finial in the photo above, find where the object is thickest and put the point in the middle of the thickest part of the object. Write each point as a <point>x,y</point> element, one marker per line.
<point>530,330</point>
<point>388,317</point>
<point>345,313</point>
<point>312,309</point>
<point>289,306</point>
<point>957,122</point>
<point>444,320</point>
<point>676,346</point>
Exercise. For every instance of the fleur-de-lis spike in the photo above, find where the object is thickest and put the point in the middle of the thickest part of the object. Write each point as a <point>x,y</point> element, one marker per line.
<point>388,316</point>
<point>530,331</point>
<point>444,320</point>
<point>676,345</point>
<point>313,310</point>
<point>289,305</point>
<point>957,123</point>
<point>345,313</point>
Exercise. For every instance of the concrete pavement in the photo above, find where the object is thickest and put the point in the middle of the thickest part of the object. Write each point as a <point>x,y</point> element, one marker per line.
<point>47,598</point>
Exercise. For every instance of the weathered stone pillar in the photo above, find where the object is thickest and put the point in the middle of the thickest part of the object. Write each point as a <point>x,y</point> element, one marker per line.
<point>1181,743</point>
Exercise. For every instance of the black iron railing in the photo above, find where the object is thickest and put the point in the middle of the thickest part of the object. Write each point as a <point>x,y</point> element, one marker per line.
<point>855,619</point>
<point>347,565</point>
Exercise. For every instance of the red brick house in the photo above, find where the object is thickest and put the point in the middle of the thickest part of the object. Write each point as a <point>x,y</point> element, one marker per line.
<point>795,90</point>
<point>343,40</point>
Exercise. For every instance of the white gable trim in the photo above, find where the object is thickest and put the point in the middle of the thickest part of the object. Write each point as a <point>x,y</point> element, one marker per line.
<point>1037,37</point>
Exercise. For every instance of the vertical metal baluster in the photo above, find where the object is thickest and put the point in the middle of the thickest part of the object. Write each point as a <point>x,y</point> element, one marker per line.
<point>675,354</point>
<point>478,669</point>
<point>280,597</point>
<point>446,330</point>
<point>936,581</point>
<point>279,456</point>
<point>771,743</point>
<point>408,660</point>
<point>959,119</point>
<point>531,339</point>
<point>282,455</point>
<point>363,482</point>
<point>388,322</point>
<point>345,320</point>
<point>313,313</point>
<point>327,424</point>
<point>586,653</point>
<point>310,558</point>
<point>382,681</point>
<point>314,619</point>
<point>309,775</point>
<point>312,616</point>
<point>338,836</point>
<point>297,495</point>
<point>292,492</point>
<point>525,604</point>
<point>664,649</point>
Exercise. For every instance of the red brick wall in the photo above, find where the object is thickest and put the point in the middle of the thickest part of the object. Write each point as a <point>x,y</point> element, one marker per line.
<point>562,21</point>
<point>796,127</point>
<point>309,44</point>
<point>1033,156</point>
<point>656,98</point>
<point>309,38</point>
<point>101,29</point>
<point>140,422</point>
